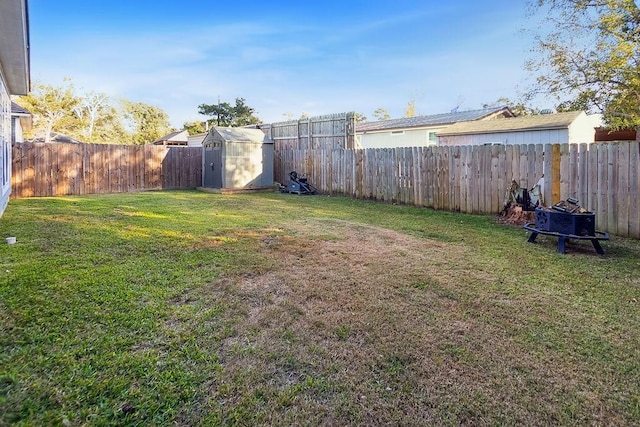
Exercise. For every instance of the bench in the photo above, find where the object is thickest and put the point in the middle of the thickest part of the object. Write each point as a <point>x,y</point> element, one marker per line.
<point>563,238</point>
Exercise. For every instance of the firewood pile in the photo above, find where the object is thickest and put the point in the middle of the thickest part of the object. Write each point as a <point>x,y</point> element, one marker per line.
<point>519,206</point>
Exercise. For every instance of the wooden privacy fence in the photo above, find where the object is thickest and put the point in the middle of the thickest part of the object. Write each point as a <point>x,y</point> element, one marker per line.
<point>329,131</point>
<point>474,179</point>
<point>56,169</point>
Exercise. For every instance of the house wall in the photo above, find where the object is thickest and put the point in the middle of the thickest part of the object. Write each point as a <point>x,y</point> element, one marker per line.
<point>553,136</point>
<point>196,140</point>
<point>582,130</point>
<point>5,145</point>
<point>397,138</point>
<point>17,135</point>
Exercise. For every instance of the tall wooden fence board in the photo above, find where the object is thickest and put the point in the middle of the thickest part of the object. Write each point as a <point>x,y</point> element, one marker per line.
<point>64,169</point>
<point>474,179</point>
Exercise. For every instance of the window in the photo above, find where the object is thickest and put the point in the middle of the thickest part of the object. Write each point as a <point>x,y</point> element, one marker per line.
<point>5,135</point>
<point>433,139</point>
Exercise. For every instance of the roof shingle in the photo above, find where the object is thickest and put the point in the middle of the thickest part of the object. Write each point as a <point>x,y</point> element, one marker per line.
<point>534,122</point>
<point>432,120</point>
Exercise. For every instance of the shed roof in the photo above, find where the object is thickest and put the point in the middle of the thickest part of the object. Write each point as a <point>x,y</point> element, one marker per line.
<point>523,123</point>
<point>228,134</point>
<point>432,120</point>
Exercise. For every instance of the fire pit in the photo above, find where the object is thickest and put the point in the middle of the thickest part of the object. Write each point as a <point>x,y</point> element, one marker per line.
<point>579,224</point>
<point>566,221</point>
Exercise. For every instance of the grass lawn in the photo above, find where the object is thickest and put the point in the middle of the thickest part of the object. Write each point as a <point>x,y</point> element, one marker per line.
<point>191,308</point>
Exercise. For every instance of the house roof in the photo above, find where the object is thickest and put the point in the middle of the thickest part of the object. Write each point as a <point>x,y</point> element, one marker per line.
<point>17,110</point>
<point>14,45</point>
<point>522,123</point>
<point>178,136</point>
<point>22,114</point>
<point>432,120</point>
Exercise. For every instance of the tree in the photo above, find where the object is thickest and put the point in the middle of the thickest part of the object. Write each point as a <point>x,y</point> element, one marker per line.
<point>519,108</point>
<point>52,108</point>
<point>359,117</point>
<point>91,117</point>
<point>109,127</point>
<point>195,127</point>
<point>148,122</point>
<point>243,114</point>
<point>225,114</point>
<point>89,110</point>
<point>410,111</point>
<point>381,114</point>
<point>591,58</point>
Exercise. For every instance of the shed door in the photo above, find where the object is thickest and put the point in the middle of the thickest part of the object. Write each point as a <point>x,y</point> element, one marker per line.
<point>213,165</point>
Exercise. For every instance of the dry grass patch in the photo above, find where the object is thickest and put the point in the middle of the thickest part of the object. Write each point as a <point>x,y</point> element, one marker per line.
<point>363,324</point>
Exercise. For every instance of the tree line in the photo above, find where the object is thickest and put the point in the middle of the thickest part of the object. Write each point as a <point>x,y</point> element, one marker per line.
<point>91,117</point>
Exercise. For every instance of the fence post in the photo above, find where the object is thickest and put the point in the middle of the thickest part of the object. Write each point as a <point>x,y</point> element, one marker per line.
<point>555,174</point>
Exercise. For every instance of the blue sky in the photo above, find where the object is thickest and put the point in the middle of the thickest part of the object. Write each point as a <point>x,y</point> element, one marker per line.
<point>285,58</point>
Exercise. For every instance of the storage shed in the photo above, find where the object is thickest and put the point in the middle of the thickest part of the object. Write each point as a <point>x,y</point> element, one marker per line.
<point>237,158</point>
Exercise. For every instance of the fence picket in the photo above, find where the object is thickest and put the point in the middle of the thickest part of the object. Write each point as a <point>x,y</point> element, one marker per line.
<point>601,216</point>
<point>622,193</point>
<point>634,194</point>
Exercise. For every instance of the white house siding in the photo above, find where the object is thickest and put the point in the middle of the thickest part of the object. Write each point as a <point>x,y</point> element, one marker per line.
<point>401,138</point>
<point>17,134</point>
<point>582,130</point>
<point>553,136</point>
<point>5,145</point>
<point>196,140</point>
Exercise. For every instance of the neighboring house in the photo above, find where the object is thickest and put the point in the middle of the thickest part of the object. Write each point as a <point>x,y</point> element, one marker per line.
<point>174,138</point>
<point>418,131</point>
<point>570,127</point>
<point>14,80</point>
<point>196,140</point>
<point>21,121</point>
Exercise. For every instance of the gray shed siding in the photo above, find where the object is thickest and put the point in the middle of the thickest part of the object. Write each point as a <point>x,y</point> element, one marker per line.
<point>244,165</point>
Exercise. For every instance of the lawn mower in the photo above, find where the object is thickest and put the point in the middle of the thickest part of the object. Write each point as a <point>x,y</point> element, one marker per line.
<point>297,185</point>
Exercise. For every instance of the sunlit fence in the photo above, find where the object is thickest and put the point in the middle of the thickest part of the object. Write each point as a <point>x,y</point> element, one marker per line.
<point>474,179</point>
<point>56,169</point>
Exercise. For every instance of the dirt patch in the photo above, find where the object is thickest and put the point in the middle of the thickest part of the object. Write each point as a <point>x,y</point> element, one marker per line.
<point>365,324</point>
